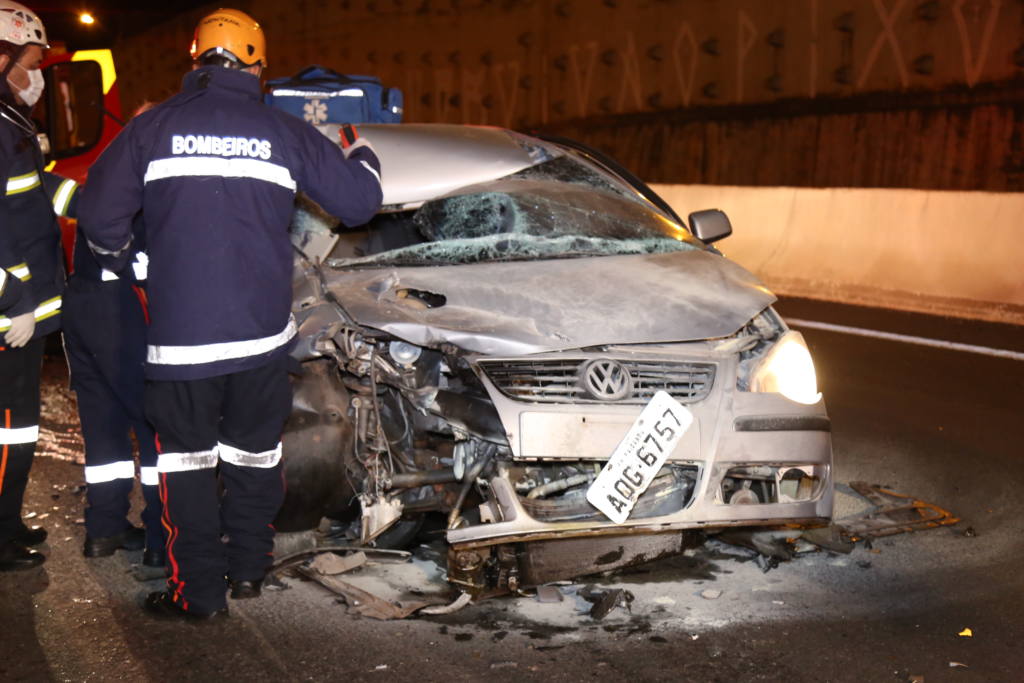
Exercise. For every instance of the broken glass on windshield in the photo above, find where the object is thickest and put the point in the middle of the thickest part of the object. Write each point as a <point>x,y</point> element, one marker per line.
<point>537,214</point>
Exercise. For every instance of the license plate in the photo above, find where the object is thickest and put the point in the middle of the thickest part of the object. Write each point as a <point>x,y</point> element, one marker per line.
<point>638,457</point>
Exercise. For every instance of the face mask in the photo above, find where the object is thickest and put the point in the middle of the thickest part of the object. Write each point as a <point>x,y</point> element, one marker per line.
<point>31,94</point>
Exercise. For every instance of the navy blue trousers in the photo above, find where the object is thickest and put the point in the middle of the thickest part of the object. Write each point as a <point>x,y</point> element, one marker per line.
<point>220,477</point>
<point>19,429</point>
<point>105,342</point>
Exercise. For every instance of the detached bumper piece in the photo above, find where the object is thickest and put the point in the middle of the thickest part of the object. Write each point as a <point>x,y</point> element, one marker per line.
<point>895,513</point>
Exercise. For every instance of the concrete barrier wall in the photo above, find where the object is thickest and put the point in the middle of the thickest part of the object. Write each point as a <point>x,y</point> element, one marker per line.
<point>948,253</point>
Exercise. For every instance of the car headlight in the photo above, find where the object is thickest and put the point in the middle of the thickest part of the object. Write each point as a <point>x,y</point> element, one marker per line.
<point>404,353</point>
<point>788,370</point>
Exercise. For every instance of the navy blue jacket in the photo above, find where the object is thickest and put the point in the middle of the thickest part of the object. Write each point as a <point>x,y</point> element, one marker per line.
<point>11,290</point>
<point>215,172</point>
<point>30,199</point>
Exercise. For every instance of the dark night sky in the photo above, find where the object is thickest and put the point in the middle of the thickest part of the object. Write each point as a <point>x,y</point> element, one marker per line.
<point>114,18</point>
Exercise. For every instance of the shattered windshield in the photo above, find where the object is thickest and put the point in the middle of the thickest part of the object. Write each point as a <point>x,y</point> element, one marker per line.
<point>562,207</point>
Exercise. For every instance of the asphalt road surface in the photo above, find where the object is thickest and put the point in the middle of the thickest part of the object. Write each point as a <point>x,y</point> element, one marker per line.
<point>943,425</point>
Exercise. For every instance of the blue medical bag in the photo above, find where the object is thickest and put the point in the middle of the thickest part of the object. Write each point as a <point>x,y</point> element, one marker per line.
<point>319,95</point>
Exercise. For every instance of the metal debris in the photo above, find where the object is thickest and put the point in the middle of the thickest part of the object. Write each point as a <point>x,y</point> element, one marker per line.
<point>829,538</point>
<point>894,513</point>
<point>331,563</point>
<point>374,554</point>
<point>776,544</point>
<point>363,602</point>
<point>605,600</point>
<point>460,602</point>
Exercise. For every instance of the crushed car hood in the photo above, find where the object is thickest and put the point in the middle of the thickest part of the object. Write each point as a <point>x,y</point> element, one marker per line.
<point>522,307</point>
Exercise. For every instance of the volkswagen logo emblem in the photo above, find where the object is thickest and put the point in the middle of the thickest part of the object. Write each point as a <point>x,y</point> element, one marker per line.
<point>607,380</point>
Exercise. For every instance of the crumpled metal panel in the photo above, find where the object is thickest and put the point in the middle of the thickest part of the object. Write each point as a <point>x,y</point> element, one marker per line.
<point>531,307</point>
<point>457,156</point>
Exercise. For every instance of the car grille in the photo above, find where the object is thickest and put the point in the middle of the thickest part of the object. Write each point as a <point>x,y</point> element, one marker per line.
<point>560,380</point>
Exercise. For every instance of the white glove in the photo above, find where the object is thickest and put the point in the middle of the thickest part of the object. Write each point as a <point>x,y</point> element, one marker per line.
<point>22,327</point>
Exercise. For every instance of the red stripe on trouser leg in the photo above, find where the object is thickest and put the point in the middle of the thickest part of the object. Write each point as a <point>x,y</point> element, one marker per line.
<point>3,460</point>
<point>173,581</point>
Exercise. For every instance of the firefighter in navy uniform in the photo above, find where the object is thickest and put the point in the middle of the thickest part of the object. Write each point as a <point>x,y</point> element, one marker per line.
<point>105,341</point>
<point>215,172</point>
<point>29,250</point>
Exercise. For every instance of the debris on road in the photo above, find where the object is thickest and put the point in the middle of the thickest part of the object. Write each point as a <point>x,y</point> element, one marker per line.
<point>828,538</point>
<point>775,544</point>
<point>505,665</point>
<point>605,601</point>
<point>549,593</point>
<point>894,513</point>
<point>363,602</point>
<point>966,633</point>
<point>957,665</point>
<point>711,594</point>
<point>331,563</point>
<point>460,602</point>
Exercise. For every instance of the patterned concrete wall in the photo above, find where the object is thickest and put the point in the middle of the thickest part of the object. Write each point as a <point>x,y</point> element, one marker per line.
<point>885,93</point>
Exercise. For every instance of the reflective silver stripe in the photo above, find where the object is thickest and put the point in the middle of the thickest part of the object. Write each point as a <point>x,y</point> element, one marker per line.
<point>108,276</point>
<point>209,353</point>
<point>348,92</point>
<point>20,271</point>
<point>47,309</point>
<point>141,265</point>
<point>22,183</point>
<point>186,462</point>
<point>372,170</point>
<point>178,167</point>
<point>150,476</point>
<point>235,456</point>
<point>101,474</point>
<point>62,197</point>
<point>97,249</point>
<point>19,435</point>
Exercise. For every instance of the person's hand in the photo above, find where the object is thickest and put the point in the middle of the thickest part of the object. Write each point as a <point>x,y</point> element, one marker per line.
<point>350,140</point>
<point>22,327</point>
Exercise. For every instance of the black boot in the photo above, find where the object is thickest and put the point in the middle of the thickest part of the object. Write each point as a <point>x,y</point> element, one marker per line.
<point>243,590</point>
<point>15,556</point>
<point>162,605</point>
<point>154,557</point>
<point>30,536</point>
<point>132,538</point>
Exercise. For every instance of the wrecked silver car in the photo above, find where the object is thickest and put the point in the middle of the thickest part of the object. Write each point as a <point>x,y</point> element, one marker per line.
<point>482,347</point>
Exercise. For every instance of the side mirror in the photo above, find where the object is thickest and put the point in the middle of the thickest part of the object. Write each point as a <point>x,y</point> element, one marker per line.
<point>709,225</point>
<point>72,107</point>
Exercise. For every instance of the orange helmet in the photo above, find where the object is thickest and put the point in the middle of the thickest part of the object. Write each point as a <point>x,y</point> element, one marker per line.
<point>232,34</point>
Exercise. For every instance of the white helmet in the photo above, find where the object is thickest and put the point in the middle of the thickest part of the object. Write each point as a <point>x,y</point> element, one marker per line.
<point>20,25</point>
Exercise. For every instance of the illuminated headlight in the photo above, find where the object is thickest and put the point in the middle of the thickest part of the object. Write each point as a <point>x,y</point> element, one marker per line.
<point>404,353</point>
<point>788,370</point>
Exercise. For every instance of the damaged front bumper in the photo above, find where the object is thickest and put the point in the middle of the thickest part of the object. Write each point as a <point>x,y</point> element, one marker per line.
<point>749,459</point>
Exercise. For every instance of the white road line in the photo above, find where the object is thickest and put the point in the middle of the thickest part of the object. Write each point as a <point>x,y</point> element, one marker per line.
<point>907,339</point>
